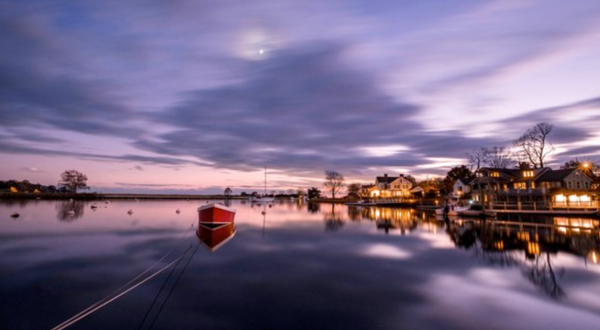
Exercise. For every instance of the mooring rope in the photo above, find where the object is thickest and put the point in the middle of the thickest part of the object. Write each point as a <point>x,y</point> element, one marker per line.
<point>173,288</point>
<point>80,317</point>
<point>103,302</point>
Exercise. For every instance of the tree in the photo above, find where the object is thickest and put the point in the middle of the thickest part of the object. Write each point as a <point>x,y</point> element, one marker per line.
<point>476,158</point>
<point>334,182</point>
<point>590,168</point>
<point>314,193</point>
<point>411,179</point>
<point>497,157</point>
<point>228,192</point>
<point>534,145</point>
<point>73,180</point>
<point>458,172</point>
<point>354,189</point>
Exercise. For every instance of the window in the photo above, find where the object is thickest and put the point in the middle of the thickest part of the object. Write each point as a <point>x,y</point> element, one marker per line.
<point>569,184</point>
<point>532,185</point>
<point>520,185</point>
<point>495,174</point>
<point>528,174</point>
<point>578,184</point>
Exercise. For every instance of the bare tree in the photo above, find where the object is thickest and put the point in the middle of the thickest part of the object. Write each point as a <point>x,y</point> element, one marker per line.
<point>534,144</point>
<point>497,157</point>
<point>476,159</point>
<point>354,189</point>
<point>334,182</point>
<point>73,180</point>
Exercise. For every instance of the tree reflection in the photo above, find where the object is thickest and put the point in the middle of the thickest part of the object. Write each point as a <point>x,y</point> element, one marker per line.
<point>314,208</point>
<point>68,211</point>
<point>514,245</point>
<point>333,220</point>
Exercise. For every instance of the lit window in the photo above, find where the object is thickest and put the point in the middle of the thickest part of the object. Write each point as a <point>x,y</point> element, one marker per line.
<point>520,185</point>
<point>532,185</point>
<point>495,174</point>
<point>528,174</point>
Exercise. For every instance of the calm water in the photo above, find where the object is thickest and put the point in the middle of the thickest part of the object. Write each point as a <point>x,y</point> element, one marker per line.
<point>296,267</point>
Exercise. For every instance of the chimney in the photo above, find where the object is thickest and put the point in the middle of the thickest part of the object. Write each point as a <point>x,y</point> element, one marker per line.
<point>385,175</point>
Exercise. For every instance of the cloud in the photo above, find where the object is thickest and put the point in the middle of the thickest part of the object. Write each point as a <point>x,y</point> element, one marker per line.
<point>33,170</point>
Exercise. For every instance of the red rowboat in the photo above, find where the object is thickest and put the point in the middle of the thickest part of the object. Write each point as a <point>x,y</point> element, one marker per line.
<point>215,225</point>
<point>216,213</point>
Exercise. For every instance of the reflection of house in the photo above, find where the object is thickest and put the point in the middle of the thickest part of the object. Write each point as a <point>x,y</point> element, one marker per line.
<point>389,186</point>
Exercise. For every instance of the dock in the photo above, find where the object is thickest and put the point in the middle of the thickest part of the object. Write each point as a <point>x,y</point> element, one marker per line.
<point>550,212</point>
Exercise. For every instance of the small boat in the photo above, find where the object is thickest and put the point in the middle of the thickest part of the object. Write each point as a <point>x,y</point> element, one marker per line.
<point>215,225</point>
<point>215,213</point>
<point>264,198</point>
<point>130,212</point>
<point>15,215</point>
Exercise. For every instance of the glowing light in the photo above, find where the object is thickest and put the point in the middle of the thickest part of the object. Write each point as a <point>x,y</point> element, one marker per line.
<point>261,51</point>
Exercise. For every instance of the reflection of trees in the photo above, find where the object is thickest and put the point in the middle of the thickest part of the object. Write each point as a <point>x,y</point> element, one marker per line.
<point>333,220</point>
<point>314,208</point>
<point>354,214</point>
<point>504,246</point>
<point>227,201</point>
<point>68,211</point>
<point>541,273</point>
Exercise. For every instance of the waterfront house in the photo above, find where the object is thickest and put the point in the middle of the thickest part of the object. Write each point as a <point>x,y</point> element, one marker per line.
<point>538,187</point>
<point>389,186</point>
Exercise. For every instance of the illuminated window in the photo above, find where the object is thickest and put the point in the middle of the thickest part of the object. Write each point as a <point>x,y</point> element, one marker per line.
<point>528,174</point>
<point>532,185</point>
<point>520,185</point>
<point>495,174</point>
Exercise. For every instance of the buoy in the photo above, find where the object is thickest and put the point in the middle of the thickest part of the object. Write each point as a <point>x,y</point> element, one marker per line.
<point>263,212</point>
<point>15,215</point>
<point>130,212</point>
<point>94,206</point>
<point>178,211</point>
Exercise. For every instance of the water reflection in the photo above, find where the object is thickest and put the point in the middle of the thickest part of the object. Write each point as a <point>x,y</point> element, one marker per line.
<point>68,211</point>
<point>530,246</point>
<point>314,208</point>
<point>387,219</point>
<point>333,220</point>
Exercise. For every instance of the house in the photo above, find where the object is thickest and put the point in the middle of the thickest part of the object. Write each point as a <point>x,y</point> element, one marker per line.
<point>462,187</point>
<point>531,185</point>
<point>389,186</point>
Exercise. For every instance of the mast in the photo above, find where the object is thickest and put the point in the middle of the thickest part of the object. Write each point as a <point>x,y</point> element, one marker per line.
<point>265,180</point>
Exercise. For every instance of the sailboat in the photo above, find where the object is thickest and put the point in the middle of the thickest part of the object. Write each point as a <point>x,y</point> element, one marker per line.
<point>264,198</point>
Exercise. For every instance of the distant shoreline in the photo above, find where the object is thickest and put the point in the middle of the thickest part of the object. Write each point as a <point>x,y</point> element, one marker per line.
<point>109,196</point>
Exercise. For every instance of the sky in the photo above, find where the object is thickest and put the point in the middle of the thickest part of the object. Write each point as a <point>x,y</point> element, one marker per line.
<point>186,96</point>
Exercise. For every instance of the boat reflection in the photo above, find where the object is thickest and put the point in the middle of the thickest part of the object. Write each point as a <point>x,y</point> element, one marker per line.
<point>216,225</point>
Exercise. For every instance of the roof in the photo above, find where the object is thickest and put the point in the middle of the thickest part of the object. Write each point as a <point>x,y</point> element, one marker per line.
<point>558,175</point>
<point>466,181</point>
<point>386,179</point>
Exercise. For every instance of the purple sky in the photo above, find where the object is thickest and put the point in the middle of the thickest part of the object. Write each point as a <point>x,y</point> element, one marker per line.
<point>196,96</point>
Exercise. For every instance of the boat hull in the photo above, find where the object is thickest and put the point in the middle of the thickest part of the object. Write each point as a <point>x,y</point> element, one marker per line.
<point>216,213</point>
<point>214,235</point>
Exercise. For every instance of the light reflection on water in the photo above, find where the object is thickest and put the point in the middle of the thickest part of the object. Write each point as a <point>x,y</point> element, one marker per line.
<point>298,266</point>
